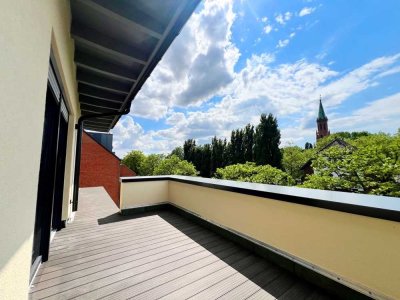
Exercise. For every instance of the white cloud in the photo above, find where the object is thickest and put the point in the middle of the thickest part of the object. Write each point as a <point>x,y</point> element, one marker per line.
<point>306,11</point>
<point>267,29</point>
<point>286,90</point>
<point>257,88</point>
<point>384,111</point>
<point>202,68</point>
<point>264,19</point>
<point>282,43</point>
<point>129,135</point>
<point>205,67</point>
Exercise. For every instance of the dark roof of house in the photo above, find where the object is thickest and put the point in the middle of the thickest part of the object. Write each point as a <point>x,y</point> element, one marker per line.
<point>117,46</point>
<point>336,142</point>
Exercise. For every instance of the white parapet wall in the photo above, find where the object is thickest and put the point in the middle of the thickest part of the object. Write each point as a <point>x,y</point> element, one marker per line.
<point>143,193</point>
<point>358,250</point>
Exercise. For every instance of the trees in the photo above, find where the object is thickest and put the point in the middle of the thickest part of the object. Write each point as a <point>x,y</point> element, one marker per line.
<point>235,147</point>
<point>308,146</point>
<point>218,154</point>
<point>248,143</point>
<point>173,165</point>
<point>134,160</point>
<point>150,163</point>
<point>158,164</point>
<point>189,148</point>
<point>293,159</point>
<point>178,151</point>
<point>204,161</point>
<point>240,149</point>
<point>250,172</point>
<point>267,139</point>
<point>371,165</point>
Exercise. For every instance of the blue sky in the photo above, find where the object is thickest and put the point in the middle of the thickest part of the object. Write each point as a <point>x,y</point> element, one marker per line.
<point>237,59</point>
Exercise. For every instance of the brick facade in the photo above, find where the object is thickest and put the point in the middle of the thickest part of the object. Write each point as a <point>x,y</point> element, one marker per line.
<point>100,167</point>
<point>125,171</point>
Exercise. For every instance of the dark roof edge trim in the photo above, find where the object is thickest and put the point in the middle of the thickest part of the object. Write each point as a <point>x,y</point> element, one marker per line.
<point>292,195</point>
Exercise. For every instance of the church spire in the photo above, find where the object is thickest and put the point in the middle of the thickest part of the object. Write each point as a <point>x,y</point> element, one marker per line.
<point>321,112</point>
<point>322,122</point>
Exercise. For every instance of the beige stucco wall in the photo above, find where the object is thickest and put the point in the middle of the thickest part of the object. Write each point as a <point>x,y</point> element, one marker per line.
<point>28,29</point>
<point>361,250</point>
<point>364,252</point>
<point>143,193</point>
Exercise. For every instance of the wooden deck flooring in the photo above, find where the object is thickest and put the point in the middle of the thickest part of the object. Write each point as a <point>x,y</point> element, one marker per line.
<point>154,256</point>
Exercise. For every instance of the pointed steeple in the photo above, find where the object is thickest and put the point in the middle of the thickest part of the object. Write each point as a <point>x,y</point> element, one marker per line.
<point>322,122</point>
<point>321,112</point>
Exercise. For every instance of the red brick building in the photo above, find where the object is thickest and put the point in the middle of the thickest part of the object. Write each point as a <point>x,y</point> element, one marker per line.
<point>101,167</point>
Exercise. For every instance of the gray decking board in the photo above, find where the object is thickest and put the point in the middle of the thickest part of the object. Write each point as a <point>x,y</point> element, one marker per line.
<point>151,256</point>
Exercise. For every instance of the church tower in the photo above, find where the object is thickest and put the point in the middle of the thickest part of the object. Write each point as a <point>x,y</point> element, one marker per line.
<point>322,122</point>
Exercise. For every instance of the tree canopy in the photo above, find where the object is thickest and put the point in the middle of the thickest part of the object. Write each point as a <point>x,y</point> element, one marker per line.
<point>250,172</point>
<point>293,159</point>
<point>178,151</point>
<point>371,165</point>
<point>173,165</point>
<point>134,160</point>
<point>246,144</point>
<point>267,140</point>
<point>158,164</point>
<point>150,163</point>
<point>366,163</point>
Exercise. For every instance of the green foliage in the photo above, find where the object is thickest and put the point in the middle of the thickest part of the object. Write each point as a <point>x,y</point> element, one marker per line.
<point>202,160</point>
<point>189,149</point>
<point>351,135</point>
<point>134,160</point>
<point>267,139</point>
<point>150,163</point>
<point>178,151</point>
<point>173,165</point>
<point>293,159</point>
<point>371,165</point>
<point>218,154</point>
<point>248,143</point>
<point>348,137</point>
<point>250,172</point>
<point>236,147</point>
<point>240,149</point>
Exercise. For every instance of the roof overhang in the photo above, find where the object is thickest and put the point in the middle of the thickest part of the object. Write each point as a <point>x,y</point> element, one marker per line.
<point>117,46</point>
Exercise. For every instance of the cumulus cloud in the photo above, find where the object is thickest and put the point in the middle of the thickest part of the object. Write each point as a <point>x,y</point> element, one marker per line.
<point>129,135</point>
<point>367,117</point>
<point>198,64</point>
<point>306,11</point>
<point>289,91</point>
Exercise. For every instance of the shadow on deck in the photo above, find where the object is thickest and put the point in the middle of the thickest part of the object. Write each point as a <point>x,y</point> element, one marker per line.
<point>154,255</point>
